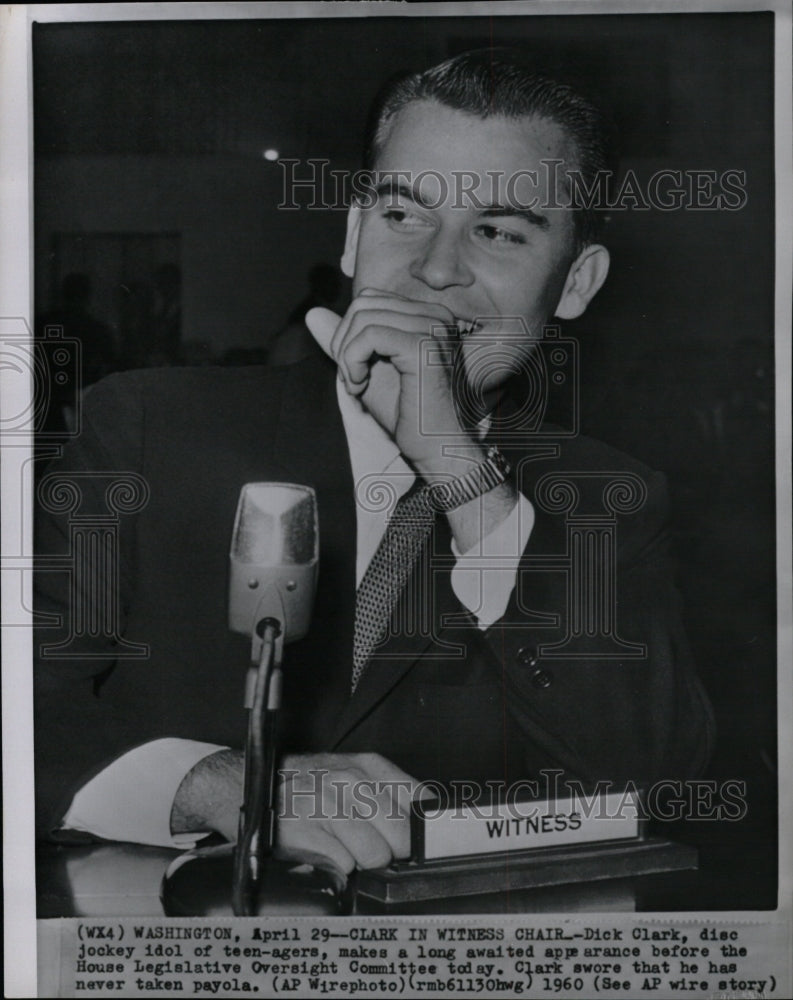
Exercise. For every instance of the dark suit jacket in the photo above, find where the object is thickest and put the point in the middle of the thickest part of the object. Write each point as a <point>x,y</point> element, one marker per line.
<point>455,705</point>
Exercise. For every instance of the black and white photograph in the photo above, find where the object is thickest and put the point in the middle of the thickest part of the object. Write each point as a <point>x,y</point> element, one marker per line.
<point>396,472</point>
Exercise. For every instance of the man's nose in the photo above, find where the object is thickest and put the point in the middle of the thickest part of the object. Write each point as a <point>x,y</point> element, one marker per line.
<point>441,263</point>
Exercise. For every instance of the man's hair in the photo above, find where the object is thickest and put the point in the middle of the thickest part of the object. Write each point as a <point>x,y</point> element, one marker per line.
<point>500,82</point>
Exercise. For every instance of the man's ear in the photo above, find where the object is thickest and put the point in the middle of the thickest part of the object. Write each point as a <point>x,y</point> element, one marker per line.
<point>587,273</point>
<point>350,254</point>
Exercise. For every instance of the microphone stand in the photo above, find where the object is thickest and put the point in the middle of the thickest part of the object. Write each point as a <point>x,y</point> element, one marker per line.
<point>197,883</point>
<point>256,836</point>
<point>245,879</point>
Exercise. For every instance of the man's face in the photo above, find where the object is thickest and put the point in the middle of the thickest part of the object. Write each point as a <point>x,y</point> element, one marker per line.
<point>481,254</point>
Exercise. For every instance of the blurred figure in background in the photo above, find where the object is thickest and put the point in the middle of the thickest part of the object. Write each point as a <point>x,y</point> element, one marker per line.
<point>98,356</point>
<point>98,349</point>
<point>166,333</point>
<point>293,342</point>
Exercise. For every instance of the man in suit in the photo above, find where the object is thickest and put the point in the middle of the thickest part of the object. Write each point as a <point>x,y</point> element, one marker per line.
<point>451,296</point>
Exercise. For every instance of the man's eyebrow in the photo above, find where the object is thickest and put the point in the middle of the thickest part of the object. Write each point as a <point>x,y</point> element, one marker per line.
<point>509,211</point>
<point>389,188</point>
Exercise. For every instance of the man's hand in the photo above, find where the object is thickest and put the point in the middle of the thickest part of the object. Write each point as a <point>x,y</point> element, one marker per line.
<point>351,808</point>
<point>381,346</point>
<point>381,349</point>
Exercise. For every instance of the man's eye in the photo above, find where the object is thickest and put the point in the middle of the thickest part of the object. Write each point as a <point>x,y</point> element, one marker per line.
<point>494,234</point>
<point>402,218</point>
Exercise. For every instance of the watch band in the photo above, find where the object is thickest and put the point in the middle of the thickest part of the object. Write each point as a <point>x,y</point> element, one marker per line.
<point>490,473</point>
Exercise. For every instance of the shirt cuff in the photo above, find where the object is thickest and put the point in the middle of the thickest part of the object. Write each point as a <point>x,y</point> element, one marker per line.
<point>132,798</point>
<point>484,577</point>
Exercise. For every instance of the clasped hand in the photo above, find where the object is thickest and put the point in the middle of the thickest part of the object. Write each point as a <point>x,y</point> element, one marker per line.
<point>382,347</point>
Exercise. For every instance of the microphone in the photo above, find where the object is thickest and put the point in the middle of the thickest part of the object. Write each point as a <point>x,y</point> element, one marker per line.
<point>274,559</point>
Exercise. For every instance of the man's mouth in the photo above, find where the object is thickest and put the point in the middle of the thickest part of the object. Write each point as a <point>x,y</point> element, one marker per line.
<point>465,327</point>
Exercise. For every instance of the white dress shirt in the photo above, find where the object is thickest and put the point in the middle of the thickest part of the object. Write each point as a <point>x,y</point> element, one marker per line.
<point>131,799</point>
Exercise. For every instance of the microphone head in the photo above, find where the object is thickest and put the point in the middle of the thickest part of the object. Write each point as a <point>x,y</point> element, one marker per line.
<point>274,558</point>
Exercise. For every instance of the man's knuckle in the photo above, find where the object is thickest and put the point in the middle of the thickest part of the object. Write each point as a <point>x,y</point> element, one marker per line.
<point>369,761</point>
<point>374,854</point>
<point>346,862</point>
<point>346,775</point>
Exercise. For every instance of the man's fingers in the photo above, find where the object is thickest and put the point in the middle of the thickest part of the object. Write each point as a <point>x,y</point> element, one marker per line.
<point>363,841</point>
<point>329,329</point>
<point>385,797</point>
<point>387,773</point>
<point>355,359</point>
<point>298,841</point>
<point>347,842</point>
<point>430,314</point>
<point>391,819</point>
<point>323,324</point>
<point>345,831</point>
<point>402,338</point>
<point>389,300</point>
<point>352,808</point>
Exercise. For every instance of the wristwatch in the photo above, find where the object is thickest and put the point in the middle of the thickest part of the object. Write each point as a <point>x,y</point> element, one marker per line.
<point>482,479</point>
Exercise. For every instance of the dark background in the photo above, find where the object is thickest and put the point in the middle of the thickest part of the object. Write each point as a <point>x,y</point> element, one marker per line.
<point>149,141</point>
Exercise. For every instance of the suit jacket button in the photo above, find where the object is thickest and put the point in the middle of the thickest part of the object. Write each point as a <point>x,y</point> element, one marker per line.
<point>527,656</point>
<point>541,679</point>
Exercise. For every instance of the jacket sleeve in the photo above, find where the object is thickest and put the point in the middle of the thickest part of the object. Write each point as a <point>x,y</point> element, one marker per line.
<point>609,690</point>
